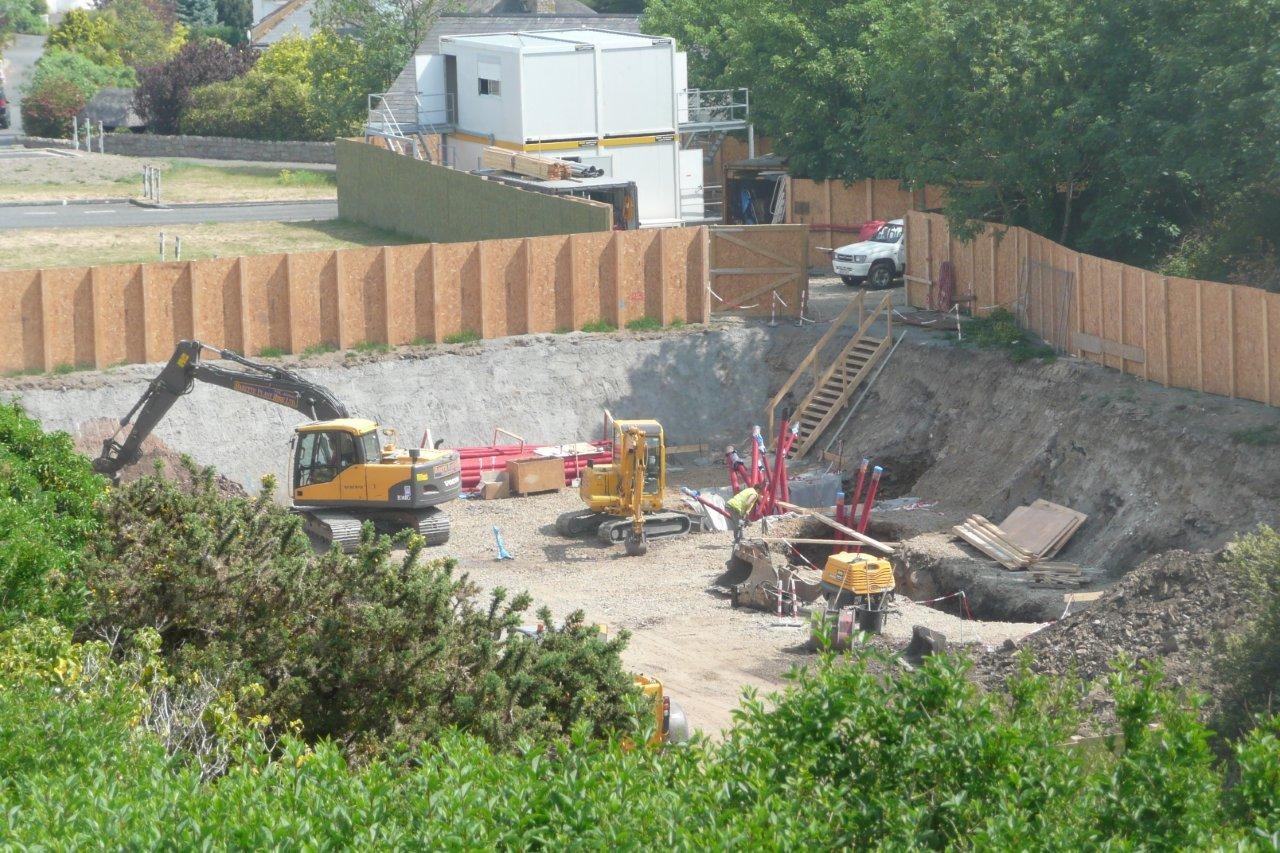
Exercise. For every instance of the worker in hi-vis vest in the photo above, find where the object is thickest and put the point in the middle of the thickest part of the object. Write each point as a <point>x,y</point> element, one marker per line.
<point>741,505</point>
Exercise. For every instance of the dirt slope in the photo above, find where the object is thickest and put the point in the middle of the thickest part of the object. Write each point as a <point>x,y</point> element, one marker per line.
<point>1154,468</point>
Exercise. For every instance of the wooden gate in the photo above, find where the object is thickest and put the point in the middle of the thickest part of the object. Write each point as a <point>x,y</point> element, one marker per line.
<point>760,270</point>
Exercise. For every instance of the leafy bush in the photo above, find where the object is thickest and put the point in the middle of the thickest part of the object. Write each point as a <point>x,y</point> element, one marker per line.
<point>121,32</point>
<point>1251,659</point>
<point>856,753</point>
<point>47,513</point>
<point>359,648</point>
<point>22,16</point>
<point>1000,330</point>
<point>256,106</point>
<point>313,88</point>
<point>60,86</point>
<point>164,90</point>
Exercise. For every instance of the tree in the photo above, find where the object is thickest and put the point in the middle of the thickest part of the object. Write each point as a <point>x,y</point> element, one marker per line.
<point>60,86</point>
<point>164,90</point>
<point>197,13</point>
<point>91,34</point>
<point>807,64</point>
<point>389,31</point>
<point>21,16</point>
<point>237,14</point>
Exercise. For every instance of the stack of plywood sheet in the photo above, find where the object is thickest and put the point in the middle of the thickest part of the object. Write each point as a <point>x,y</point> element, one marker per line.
<point>1058,575</point>
<point>529,165</point>
<point>1029,536</point>
<point>990,540</point>
<point>1042,528</point>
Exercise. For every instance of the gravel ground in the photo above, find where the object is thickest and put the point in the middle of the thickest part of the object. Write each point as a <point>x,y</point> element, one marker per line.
<point>683,631</point>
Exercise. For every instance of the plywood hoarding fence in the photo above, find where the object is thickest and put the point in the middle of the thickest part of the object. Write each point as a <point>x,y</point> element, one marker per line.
<point>833,210</point>
<point>105,315</point>
<point>1184,333</point>
<point>759,270</point>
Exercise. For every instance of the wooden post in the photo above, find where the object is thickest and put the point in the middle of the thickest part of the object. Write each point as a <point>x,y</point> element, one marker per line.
<point>1164,281</point>
<point>432,330</point>
<point>995,269</point>
<point>620,314</point>
<point>572,245</point>
<point>1146,357</point>
<point>527,307</point>
<point>1079,301</point>
<point>664,250</point>
<point>344,340</point>
<point>246,315</point>
<point>482,281</point>
<point>46,332</point>
<point>1266,346</point>
<point>1199,338</point>
<point>1231,340</point>
<point>1123,363</point>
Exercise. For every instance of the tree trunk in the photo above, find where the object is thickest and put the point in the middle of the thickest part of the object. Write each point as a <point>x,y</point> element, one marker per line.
<point>1066,211</point>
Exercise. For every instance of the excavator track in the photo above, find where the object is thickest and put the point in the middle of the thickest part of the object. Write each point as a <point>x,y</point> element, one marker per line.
<point>337,528</point>
<point>433,526</point>
<point>579,521</point>
<point>657,525</point>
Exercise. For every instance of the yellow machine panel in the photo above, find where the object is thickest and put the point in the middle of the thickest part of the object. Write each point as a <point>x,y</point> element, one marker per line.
<point>860,574</point>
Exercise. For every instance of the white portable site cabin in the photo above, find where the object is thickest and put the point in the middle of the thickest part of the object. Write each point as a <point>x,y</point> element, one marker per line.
<point>608,99</point>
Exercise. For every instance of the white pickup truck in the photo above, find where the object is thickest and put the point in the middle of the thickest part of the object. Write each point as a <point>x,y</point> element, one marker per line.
<point>877,261</point>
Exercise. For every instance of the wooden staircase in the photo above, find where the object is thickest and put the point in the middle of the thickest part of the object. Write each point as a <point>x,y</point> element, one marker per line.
<point>848,369</point>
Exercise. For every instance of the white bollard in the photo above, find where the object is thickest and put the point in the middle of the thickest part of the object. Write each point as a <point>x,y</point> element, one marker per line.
<point>162,245</point>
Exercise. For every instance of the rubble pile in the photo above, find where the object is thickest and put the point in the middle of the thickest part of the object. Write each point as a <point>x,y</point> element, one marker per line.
<point>1175,607</point>
<point>89,438</point>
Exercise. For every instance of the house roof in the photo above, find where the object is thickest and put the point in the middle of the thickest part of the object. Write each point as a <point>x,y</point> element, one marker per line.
<point>291,19</point>
<point>113,107</point>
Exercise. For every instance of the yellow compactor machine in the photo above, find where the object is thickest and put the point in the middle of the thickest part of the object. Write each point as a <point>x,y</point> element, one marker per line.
<point>862,582</point>
<point>624,497</point>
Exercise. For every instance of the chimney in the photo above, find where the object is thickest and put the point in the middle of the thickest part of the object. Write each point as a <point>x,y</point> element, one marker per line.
<point>544,7</point>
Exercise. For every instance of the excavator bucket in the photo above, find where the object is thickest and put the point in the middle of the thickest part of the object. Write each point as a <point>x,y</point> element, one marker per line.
<point>757,571</point>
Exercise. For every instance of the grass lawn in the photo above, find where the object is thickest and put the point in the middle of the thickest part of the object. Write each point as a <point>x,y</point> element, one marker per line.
<point>109,176</point>
<point>65,247</point>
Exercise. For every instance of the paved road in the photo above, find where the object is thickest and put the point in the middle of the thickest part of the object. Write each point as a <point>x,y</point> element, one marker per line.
<point>18,59</point>
<point>104,215</point>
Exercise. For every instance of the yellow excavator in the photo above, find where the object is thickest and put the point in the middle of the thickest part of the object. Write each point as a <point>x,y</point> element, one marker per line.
<point>624,496</point>
<point>342,474</point>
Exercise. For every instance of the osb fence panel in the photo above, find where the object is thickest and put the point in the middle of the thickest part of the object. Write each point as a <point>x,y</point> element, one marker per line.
<point>752,263</point>
<point>100,316</point>
<point>834,210</point>
<point>1208,336</point>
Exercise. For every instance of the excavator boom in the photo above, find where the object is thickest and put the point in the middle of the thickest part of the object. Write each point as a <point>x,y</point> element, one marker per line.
<point>264,381</point>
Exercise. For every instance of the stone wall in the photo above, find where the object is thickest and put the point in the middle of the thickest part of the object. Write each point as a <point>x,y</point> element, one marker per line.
<point>206,147</point>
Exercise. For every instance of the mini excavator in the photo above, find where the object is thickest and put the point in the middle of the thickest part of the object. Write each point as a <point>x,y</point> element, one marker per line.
<point>624,497</point>
<point>342,475</point>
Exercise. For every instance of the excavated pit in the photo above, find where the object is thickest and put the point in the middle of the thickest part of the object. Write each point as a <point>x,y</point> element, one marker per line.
<point>962,431</point>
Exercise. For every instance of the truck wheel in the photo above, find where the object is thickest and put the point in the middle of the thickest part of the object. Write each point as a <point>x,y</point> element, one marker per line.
<point>881,275</point>
<point>852,281</point>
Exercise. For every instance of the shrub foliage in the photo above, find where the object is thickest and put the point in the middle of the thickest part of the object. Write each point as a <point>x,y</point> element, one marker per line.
<point>362,648</point>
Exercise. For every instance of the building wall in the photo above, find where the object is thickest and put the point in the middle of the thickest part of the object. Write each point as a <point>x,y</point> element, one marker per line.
<point>496,114</point>
<point>559,97</point>
<point>441,205</point>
